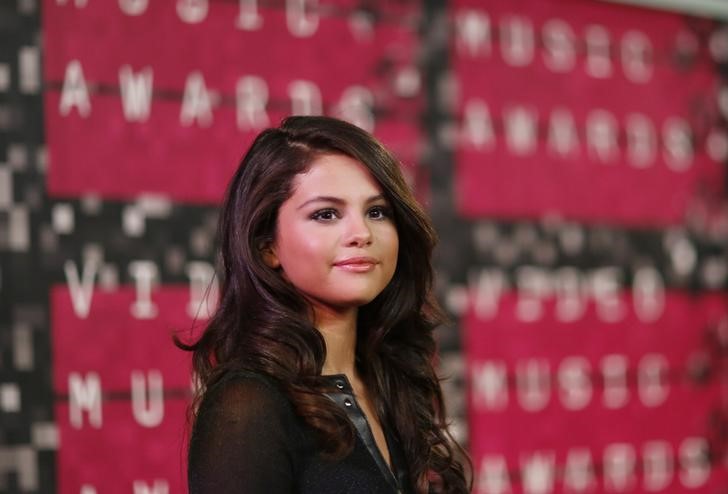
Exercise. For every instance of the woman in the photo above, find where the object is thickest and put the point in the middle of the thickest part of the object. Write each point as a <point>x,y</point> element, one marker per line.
<point>317,366</point>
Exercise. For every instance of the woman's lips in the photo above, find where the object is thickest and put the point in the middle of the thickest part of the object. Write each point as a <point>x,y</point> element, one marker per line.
<point>357,264</point>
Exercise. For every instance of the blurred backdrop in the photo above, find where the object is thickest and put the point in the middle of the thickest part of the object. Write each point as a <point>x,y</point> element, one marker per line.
<point>572,154</point>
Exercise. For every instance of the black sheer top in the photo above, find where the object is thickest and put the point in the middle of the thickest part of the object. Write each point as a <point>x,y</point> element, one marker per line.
<point>247,439</point>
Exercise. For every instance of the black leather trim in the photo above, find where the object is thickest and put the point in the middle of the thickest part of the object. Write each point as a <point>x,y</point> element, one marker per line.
<point>346,400</point>
<point>399,462</point>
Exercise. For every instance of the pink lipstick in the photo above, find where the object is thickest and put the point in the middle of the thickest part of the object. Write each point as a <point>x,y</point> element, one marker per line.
<point>357,264</point>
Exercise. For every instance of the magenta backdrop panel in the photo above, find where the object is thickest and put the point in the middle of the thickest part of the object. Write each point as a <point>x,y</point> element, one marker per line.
<point>611,400</point>
<point>123,389</point>
<point>164,97</point>
<point>589,110</point>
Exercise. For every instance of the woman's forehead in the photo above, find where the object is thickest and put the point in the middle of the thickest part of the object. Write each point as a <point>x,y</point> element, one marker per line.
<point>336,174</point>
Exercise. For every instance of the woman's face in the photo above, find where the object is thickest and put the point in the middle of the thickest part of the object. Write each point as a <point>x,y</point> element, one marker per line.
<point>336,240</point>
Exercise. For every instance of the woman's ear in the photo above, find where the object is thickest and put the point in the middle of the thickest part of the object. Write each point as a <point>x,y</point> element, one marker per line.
<point>268,253</point>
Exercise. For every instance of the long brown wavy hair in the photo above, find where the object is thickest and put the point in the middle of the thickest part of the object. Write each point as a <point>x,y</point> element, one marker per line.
<point>263,324</point>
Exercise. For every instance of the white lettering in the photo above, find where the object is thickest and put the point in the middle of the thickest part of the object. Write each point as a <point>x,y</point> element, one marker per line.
<point>598,58</point>
<point>614,372</point>
<point>641,140</point>
<point>678,146</point>
<point>559,45</point>
<point>159,487</point>
<point>473,33</point>
<point>648,294</point>
<point>133,7</point>
<point>601,135</point>
<point>619,467</point>
<point>192,11</point>
<point>75,91</point>
<point>78,3</point>
<point>81,289</point>
<point>251,95</point>
<point>474,37</point>
<point>657,461</point>
<point>301,23</point>
<point>147,407</point>
<point>249,19</point>
<point>144,274</point>
<point>305,98</point>
<point>637,56</point>
<point>605,285</point>
<point>521,128</point>
<point>537,472</point>
<point>694,462</point>
<point>533,384</point>
<point>516,40</point>
<point>477,125</point>
<point>562,138</point>
<point>575,383</point>
<point>571,301</point>
<point>486,288</point>
<point>494,477</point>
<point>653,370</point>
<point>533,286</point>
<point>204,289</point>
<point>579,471</point>
<point>490,385</point>
<point>84,394</point>
<point>136,93</point>
<point>356,105</point>
<point>197,102</point>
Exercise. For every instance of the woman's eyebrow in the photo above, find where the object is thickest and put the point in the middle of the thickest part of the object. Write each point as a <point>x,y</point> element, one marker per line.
<point>338,200</point>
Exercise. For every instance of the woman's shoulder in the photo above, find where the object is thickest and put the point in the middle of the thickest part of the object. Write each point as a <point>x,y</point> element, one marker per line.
<point>245,437</point>
<point>245,395</point>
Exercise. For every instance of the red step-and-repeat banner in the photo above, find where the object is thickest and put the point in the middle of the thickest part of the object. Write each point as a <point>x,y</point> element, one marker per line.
<point>580,379</point>
<point>160,100</point>
<point>573,142</point>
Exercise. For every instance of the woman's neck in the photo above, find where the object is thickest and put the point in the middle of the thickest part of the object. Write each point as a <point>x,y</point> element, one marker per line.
<point>339,332</point>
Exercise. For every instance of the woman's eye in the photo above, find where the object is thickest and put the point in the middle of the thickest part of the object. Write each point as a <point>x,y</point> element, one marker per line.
<point>379,212</point>
<point>324,215</point>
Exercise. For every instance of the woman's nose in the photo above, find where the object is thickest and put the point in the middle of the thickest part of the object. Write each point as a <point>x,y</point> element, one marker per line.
<point>358,232</point>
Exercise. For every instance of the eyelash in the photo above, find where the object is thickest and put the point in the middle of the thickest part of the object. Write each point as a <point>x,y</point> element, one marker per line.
<point>384,212</point>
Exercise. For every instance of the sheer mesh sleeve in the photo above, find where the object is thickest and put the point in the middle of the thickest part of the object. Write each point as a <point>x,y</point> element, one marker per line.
<point>242,440</point>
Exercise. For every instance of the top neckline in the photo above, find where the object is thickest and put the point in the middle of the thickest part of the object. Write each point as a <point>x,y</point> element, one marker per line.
<point>392,472</point>
<point>338,380</point>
